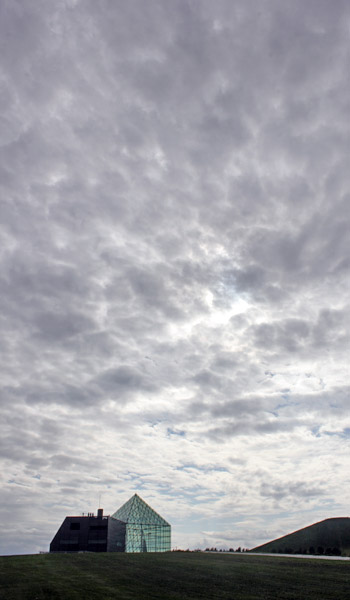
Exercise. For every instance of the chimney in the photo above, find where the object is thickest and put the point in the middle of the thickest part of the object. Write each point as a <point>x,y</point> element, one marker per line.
<point>99,513</point>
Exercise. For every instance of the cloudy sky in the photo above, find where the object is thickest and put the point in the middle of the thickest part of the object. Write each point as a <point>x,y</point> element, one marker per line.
<point>174,265</point>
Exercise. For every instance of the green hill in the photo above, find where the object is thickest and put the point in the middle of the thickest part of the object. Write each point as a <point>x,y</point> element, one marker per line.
<point>331,537</point>
<point>171,576</point>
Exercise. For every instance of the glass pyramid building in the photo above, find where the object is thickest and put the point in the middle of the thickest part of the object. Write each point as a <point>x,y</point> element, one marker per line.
<point>136,527</point>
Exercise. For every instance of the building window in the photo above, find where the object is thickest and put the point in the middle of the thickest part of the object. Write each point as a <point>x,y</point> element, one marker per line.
<point>75,526</point>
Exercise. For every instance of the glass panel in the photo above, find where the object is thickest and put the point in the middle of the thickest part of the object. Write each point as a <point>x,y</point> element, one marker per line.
<point>146,530</point>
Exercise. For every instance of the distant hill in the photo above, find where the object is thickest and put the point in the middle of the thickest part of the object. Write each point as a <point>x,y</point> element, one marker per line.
<point>331,537</point>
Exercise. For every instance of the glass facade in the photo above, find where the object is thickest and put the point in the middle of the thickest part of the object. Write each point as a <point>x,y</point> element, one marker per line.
<point>145,530</point>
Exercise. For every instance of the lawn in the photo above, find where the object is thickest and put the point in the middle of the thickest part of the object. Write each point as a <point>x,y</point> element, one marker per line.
<point>173,576</point>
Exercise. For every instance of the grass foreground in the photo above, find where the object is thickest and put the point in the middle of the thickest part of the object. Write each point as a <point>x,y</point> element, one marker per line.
<point>173,576</point>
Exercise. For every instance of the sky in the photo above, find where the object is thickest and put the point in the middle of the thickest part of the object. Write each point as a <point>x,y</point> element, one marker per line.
<point>174,278</point>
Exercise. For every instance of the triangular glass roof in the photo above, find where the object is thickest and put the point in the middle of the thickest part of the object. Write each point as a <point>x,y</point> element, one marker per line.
<point>136,510</point>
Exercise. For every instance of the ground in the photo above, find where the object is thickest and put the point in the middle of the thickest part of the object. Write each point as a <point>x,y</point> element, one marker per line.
<point>173,576</point>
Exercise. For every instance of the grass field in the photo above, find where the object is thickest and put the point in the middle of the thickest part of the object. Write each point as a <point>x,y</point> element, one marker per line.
<point>173,575</point>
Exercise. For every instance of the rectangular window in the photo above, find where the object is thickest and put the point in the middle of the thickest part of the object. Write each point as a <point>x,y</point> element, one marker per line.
<point>75,526</point>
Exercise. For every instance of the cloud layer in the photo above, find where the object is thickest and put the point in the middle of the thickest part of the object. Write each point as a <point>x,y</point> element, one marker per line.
<point>174,265</point>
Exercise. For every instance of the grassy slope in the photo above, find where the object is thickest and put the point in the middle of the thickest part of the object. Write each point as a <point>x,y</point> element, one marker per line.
<point>171,576</point>
<point>331,533</point>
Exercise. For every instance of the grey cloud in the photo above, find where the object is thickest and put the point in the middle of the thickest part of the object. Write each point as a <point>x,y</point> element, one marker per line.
<point>208,380</point>
<point>20,444</point>
<point>124,379</point>
<point>43,279</point>
<point>277,261</point>
<point>150,288</point>
<point>225,360</point>
<point>238,408</point>
<point>283,412</point>
<point>237,461</point>
<point>64,462</point>
<point>53,326</point>
<point>298,489</point>
<point>290,335</point>
<point>243,426</point>
<point>293,335</point>
<point>251,278</point>
<point>50,391</point>
<point>331,327</point>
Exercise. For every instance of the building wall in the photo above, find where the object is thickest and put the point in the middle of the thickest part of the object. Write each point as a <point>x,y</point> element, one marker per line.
<point>84,534</point>
<point>116,535</point>
<point>147,537</point>
<point>146,530</point>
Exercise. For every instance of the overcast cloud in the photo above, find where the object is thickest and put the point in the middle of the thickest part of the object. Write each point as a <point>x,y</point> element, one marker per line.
<point>174,247</point>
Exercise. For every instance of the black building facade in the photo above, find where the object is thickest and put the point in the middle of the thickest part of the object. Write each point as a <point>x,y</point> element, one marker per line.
<point>83,533</point>
<point>134,527</point>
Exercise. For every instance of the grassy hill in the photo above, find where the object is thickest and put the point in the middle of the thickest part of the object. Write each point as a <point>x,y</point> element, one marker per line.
<point>173,576</point>
<point>331,536</point>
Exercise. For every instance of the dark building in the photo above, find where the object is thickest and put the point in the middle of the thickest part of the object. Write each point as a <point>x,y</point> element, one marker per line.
<point>83,533</point>
<point>134,527</point>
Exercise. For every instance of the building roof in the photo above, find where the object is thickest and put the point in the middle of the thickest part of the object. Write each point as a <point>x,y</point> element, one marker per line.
<point>136,510</point>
